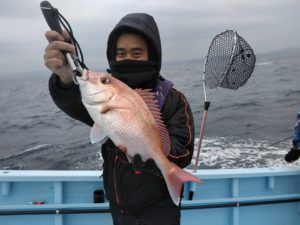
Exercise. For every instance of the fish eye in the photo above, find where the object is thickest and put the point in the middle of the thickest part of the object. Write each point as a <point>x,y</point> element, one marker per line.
<point>104,80</point>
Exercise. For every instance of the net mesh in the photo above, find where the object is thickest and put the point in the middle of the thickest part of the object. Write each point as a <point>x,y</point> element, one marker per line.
<point>230,61</point>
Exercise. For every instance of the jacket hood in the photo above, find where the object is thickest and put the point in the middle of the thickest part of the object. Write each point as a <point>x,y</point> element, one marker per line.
<point>140,23</point>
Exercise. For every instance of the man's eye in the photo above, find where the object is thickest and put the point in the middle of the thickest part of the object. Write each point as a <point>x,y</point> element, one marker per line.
<point>120,54</point>
<point>137,54</point>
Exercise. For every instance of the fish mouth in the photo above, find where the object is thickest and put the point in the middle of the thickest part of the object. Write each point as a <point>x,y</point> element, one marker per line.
<point>84,78</point>
<point>95,93</point>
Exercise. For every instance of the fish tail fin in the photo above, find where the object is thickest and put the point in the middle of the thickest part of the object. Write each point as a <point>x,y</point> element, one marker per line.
<point>175,179</point>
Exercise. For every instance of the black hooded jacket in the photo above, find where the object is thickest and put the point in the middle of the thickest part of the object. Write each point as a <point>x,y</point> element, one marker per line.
<point>125,189</point>
<point>139,23</point>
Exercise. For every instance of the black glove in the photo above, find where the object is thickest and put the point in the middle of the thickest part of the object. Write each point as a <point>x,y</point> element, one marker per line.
<point>139,166</point>
<point>292,155</point>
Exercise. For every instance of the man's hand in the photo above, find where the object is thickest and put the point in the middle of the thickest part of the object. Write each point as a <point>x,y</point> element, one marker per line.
<point>54,59</point>
<point>292,155</point>
<point>139,166</point>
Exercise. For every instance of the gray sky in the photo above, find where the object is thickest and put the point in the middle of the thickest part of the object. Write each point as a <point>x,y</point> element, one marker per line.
<point>186,27</point>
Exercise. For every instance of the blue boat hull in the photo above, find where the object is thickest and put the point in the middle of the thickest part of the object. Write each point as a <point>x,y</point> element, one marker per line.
<point>262,196</point>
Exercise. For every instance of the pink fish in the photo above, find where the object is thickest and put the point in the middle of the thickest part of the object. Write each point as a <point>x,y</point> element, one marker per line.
<point>132,120</point>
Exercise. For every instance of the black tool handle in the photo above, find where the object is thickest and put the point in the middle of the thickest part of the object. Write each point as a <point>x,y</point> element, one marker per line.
<point>51,16</point>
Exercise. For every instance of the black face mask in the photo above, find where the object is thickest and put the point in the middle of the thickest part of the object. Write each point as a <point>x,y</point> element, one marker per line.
<point>135,73</point>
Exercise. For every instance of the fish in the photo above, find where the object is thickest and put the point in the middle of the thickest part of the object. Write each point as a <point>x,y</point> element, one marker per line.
<point>131,118</point>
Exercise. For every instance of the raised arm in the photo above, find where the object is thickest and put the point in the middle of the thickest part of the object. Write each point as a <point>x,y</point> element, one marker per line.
<point>64,92</point>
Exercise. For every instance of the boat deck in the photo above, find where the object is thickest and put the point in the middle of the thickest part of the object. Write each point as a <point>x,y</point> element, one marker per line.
<point>229,197</point>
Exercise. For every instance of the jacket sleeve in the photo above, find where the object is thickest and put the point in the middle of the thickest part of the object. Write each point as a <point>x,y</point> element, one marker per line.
<point>180,124</point>
<point>68,99</point>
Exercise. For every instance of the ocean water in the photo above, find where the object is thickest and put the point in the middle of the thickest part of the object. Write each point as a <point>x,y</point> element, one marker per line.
<point>245,128</point>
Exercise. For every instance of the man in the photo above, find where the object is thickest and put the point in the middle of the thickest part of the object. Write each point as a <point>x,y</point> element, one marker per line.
<point>136,192</point>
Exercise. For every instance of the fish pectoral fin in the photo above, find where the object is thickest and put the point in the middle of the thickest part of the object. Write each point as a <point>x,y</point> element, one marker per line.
<point>97,136</point>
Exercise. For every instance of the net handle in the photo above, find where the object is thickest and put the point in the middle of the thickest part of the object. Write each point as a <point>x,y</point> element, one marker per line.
<point>201,135</point>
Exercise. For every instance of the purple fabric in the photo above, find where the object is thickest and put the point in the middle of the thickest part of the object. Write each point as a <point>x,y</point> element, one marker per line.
<point>161,91</point>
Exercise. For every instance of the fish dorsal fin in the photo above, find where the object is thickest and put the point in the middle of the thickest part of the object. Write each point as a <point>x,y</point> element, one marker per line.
<point>150,100</point>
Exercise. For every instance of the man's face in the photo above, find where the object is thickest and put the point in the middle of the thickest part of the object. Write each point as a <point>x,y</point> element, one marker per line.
<point>131,46</point>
